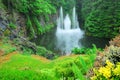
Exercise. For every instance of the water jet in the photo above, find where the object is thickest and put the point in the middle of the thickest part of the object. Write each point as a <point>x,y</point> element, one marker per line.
<point>68,32</point>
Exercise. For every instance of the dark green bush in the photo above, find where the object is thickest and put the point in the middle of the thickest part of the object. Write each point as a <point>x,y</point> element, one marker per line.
<point>84,50</point>
<point>41,51</point>
<point>27,50</point>
<point>79,50</point>
<point>100,17</point>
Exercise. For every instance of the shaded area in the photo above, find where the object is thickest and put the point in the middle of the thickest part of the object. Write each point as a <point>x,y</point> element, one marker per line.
<point>87,41</point>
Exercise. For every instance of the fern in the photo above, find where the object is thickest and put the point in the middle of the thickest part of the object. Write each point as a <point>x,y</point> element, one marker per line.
<point>84,66</point>
<point>77,72</point>
<point>29,26</point>
<point>37,24</point>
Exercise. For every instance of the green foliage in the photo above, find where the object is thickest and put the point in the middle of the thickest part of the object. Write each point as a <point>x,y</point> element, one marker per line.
<point>1,5</point>
<point>27,51</point>
<point>12,25</point>
<point>77,72</point>
<point>83,64</point>
<point>32,10</point>
<point>37,25</point>
<point>66,4</point>
<point>92,59</point>
<point>85,50</point>
<point>101,17</point>
<point>73,68</point>
<point>64,69</point>
<point>31,7</point>
<point>79,50</point>
<point>39,28</point>
<point>30,27</point>
<point>41,51</point>
<point>35,28</point>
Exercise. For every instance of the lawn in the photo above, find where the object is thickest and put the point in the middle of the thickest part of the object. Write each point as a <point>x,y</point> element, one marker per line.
<point>14,65</point>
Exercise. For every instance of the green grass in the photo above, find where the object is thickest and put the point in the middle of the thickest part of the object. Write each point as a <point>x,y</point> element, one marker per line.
<point>19,61</point>
<point>26,67</point>
<point>23,67</point>
<point>8,74</point>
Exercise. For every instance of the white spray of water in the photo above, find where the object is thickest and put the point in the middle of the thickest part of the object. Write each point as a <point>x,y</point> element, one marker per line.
<point>67,23</point>
<point>68,32</point>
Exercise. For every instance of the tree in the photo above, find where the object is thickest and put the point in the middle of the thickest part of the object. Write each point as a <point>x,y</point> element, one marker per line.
<point>32,9</point>
<point>101,17</point>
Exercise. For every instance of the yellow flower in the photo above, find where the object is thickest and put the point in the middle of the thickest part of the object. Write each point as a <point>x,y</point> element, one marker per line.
<point>109,64</point>
<point>116,71</point>
<point>106,72</point>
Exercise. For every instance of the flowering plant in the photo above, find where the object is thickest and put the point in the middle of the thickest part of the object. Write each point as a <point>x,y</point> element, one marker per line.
<point>108,72</point>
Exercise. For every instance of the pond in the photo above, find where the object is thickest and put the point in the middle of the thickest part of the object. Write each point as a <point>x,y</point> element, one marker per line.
<point>50,42</point>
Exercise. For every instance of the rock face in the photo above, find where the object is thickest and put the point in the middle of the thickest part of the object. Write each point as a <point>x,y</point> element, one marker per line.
<point>2,26</point>
<point>19,20</point>
<point>6,18</point>
<point>2,17</point>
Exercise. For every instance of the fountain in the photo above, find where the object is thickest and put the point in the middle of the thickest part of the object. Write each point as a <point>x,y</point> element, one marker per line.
<point>68,32</point>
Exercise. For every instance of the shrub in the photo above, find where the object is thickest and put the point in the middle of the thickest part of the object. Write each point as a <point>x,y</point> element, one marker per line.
<point>73,68</point>
<point>44,52</point>
<point>113,54</point>
<point>84,50</point>
<point>64,69</point>
<point>108,72</point>
<point>78,50</point>
<point>27,51</point>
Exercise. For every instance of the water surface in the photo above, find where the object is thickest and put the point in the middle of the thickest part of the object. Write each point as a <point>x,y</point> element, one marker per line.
<point>49,41</point>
